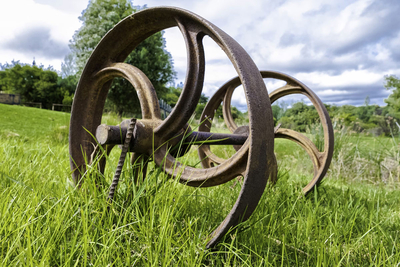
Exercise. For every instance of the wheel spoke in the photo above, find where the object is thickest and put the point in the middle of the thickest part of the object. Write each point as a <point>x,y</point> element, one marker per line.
<point>208,159</point>
<point>226,108</point>
<point>319,159</point>
<point>220,174</point>
<point>93,109</point>
<point>192,89</point>
<point>316,156</point>
<point>145,90</point>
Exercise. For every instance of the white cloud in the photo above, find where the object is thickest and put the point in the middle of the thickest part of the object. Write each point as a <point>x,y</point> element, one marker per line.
<point>332,92</point>
<point>332,46</point>
<point>32,15</point>
<point>350,77</point>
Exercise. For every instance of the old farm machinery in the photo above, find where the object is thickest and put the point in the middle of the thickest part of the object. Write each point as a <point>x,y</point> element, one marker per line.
<point>152,137</point>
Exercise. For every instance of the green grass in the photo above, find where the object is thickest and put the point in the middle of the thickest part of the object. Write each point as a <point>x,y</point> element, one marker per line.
<point>347,221</point>
<point>30,122</point>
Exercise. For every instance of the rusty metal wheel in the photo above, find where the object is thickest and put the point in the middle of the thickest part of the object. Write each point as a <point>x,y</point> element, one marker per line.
<point>320,159</point>
<point>151,135</point>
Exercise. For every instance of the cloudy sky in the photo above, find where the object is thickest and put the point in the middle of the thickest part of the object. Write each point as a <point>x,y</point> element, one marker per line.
<point>341,49</point>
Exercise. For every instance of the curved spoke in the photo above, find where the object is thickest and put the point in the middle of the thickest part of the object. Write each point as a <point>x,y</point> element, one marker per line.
<point>208,159</point>
<point>145,91</point>
<point>319,159</point>
<point>296,87</point>
<point>192,89</point>
<point>90,102</point>
<point>226,109</point>
<point>144,88</point>
<point>220,174</point>
<point>316,156</point>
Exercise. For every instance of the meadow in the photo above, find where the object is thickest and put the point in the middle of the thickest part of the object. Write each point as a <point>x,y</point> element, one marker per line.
<point>351,219</point>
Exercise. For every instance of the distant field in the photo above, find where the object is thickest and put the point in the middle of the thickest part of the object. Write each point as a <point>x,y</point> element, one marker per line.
<point>352,219</point>
<point>30,122</point>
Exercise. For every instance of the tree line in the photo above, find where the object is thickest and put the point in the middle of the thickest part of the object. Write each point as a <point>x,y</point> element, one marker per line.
<point>371,119</point>
<point>37,84</point>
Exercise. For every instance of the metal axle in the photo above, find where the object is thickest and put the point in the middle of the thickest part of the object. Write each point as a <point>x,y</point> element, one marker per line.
<point>115,135</point>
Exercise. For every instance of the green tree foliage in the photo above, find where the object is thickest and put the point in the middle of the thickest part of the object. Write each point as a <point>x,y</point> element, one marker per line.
<point>150,56</point>
<point>8,65</point>
<point>68,86</point>
<point>367,118</point>
<point>201,105</point>
<point>36,84</point>
<point>299,116</point>
<point>68,67</point>
<point>277,112</point>
<point>173,95</point>
<point>347,114</point>
<point>393,101</point>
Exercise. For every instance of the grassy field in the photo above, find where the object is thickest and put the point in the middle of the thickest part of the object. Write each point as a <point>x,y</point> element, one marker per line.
<point>351,219</point>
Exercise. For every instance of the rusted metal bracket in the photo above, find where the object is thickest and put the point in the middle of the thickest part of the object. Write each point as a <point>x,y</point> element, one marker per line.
<point>153,137</point>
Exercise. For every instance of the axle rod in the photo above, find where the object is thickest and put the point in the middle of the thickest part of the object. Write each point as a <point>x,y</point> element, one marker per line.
<point>115,135</point>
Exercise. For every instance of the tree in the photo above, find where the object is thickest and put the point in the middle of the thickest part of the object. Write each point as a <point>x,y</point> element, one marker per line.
<point>299,117</point>
<point>277,112</point>
<point>150,56</point>
<point>21,79</point>
<point>393,101</point>
<point>364,113</point>
<point>68,67</point>
<point>36,84</point>
<point>9,66</point>
<point>68,86</point>
<point>173,95</point>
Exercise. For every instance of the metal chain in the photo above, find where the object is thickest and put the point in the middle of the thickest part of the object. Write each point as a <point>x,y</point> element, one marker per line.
<point>121,161</point>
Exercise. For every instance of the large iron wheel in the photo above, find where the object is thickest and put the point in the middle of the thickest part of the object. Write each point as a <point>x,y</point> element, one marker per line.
<point>255,158</point>
<point>320,159</point>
